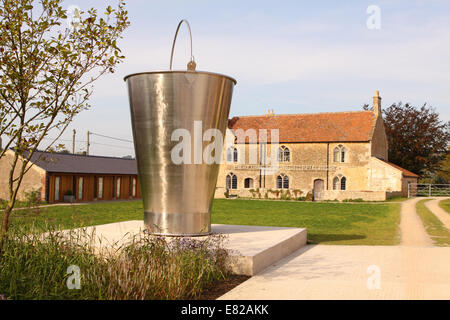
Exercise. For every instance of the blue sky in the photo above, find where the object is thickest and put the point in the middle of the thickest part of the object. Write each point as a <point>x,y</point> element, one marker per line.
<point>290,56</point>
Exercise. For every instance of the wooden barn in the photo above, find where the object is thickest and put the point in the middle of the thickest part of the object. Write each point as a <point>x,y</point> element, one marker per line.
<point>78,177</point>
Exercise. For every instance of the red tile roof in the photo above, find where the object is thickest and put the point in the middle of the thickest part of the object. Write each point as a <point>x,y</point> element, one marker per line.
<point>405,172</point>
<point>318,127</point>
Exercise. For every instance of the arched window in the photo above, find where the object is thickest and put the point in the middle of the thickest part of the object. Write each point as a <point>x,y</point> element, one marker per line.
<point>336,154</point>
<point>287,155</point>
<point>339,154</point>
<point>232,154</point>
<point>231,181</point>
<point>343,183</point>
<point>248,183</point>
<point>335,183</point>
<point>279,182</point>
<point>339,184</point>
<point>280,154</point>
<point>343,154</point>
<point>285,182</point>
<point>282,181</point>
<point>284,154</point>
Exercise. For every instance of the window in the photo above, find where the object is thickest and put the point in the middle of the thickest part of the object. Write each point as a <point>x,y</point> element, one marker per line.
<point>335,183</point>
<point>339,184</point>
<point>100,188</point>
<point>232,154</point>
<point>339,154</point>
<point>57,183</point>
<point>282,181</point>
<point>231,181</point>
<point>80,188</point>
<point>343,153</point>
<point>343,183</point>
<point>134,188</point>
<point>284,154</point>
<point>118,188</point>
<point>286,182</point>
<point>279,182</point>
<point>336,154</point>
<point>248,183</point>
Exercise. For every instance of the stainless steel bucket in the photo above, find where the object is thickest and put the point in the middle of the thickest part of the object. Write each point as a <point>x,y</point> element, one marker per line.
<point>177,197</point>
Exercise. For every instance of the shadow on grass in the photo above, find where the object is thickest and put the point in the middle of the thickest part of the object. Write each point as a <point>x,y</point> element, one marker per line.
<point>328,237</point>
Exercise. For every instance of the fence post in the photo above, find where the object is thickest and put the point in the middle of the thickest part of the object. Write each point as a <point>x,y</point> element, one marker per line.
<point>409,184</point>
<point>429,190</point>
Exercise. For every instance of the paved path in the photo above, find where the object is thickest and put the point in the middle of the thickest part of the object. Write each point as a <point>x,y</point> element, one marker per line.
<point>412,231</point>
<point>440,213</point>
<point>413,270</point>
<point>342,272</point>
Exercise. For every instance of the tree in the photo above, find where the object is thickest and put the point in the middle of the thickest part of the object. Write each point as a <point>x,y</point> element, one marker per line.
<point>417,138</point>
<point>443,173</point>
<point>47,69</point>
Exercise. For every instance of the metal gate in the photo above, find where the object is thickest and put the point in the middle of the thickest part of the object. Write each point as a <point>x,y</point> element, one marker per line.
<point>428,190</point>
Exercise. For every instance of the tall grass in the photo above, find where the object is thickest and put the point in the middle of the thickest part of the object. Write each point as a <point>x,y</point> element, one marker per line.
<point>148,267</point>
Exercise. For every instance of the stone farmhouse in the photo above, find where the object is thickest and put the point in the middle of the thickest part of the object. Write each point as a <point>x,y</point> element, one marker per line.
<point>324,156</point>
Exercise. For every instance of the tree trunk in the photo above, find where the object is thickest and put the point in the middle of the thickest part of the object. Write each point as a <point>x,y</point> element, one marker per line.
<point>4,226</point>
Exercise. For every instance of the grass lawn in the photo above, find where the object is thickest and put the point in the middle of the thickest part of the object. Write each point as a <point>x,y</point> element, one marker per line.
<point>434,227</point>
<point>327,223</point>
<point>445,204</point>
<point>80,215</point>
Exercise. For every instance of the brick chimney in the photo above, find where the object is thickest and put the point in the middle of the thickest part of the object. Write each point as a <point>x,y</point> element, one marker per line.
<point>377,104</point>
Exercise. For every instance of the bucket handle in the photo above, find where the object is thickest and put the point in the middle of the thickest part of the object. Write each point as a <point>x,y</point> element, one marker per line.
<point>191,64</point>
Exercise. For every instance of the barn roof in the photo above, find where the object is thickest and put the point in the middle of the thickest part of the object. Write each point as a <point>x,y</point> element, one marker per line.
<point>317,127</point>
<point>74,163</point>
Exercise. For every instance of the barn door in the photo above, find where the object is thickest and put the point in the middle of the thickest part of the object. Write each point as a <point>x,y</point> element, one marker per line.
<point>318,189</point>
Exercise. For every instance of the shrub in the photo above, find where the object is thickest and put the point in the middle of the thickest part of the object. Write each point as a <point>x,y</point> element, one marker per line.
<point>149,267</point>
<point>353,200</point>
<point>297,193</point>
<point>33,198</point>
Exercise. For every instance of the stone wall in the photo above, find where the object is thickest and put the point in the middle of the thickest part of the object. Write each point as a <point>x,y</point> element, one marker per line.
<point>33,180</point>
<point>384,177</point>
<point>354,195</point>
<point>294,194</point>
<point>260,193</point>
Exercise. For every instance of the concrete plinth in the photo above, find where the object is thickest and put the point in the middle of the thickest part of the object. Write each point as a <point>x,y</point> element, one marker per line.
<point>252,248</point>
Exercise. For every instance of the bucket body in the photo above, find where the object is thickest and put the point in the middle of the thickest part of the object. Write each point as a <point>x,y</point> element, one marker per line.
<point>177,196</point>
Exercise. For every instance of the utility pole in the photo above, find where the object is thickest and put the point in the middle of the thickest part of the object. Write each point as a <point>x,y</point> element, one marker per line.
<point>73,141</point>
<point>87,145</point>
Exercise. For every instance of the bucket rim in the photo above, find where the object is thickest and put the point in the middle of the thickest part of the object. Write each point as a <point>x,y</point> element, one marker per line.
<point>180,71</point>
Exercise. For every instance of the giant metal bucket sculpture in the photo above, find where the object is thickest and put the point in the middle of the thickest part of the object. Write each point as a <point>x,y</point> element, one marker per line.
<point>177,197</point>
